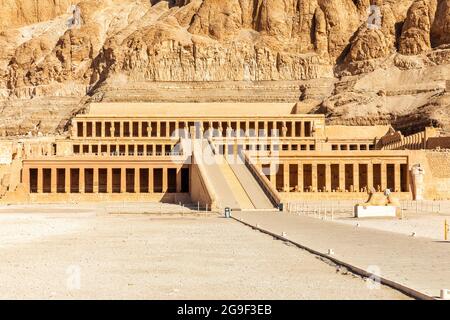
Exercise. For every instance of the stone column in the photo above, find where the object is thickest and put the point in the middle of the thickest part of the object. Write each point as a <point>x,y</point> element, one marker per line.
<point>314,176</point>
<point>167,129</point>
<point>273,174</point>
<point>121,129</point>
<point>370,176</point>
<point>211,130</point>
<point>383,176</point>
<point>26,179</point>
<point>418,175</point>
<point>149,129</point>
<point>266,129</point>
<point>300,177</point>
<point>284,130</point>
<point>176,128</point>
<point>164,182</point>
<point>302,129</point>
<point>140,129</point>
<point>158,128</point>
<point>397,178</point>
<point>95,180</point>
<point>53,180</point>
<point>103,125</point>
<point>84,129</point>
<point>137,179</point>
<point>342,176</point>
<point>238,129</point>
<point>123,180</point>
<point>179,180</point>
<point>109,180</point>
<point>328,177</point>
<point>150,180</point>
<point>40,180</point>
<point>286,178</point>
<point>356,185</point>
<point>67,180</point>
<point>81,181</point>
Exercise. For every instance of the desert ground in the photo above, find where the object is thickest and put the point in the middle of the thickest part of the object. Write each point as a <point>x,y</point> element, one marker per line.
<point>422,219</point>
<point>76,252</point>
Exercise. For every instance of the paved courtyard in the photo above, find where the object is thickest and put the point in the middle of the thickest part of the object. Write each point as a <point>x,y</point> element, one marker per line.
<point>58,252</point>
<point>416,262</point>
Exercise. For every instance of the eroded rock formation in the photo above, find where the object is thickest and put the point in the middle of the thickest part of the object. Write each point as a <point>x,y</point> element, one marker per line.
<point>364,61</point>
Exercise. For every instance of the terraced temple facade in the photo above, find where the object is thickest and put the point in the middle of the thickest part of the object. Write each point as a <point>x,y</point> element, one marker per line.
<point>243,155</point>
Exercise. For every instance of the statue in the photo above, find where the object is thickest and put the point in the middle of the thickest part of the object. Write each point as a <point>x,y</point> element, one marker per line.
<point>378,199</point>
<point>418,174</point>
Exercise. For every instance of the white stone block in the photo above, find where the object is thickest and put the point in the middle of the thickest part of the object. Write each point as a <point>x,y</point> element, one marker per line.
<point>375,211</point>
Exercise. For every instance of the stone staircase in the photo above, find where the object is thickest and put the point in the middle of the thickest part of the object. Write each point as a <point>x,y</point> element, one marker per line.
<point>222,190</point>
<point>253,189</point>
<point>238,190</point>
<point>233,184</point>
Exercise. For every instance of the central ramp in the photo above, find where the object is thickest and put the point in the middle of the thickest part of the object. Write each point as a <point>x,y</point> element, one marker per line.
<point>214,169</point>
<point>248,182</point>
<point>240,194</point>
<point>233,183</point>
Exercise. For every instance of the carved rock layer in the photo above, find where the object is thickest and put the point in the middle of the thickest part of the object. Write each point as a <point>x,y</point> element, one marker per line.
<point>353,59</point>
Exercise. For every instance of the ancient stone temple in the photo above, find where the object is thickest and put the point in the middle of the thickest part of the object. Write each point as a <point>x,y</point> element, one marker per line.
<point>242,155</point>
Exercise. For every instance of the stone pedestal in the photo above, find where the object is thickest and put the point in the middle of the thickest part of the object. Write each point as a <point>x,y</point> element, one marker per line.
<point>418,174</point>
<point>375,211</point>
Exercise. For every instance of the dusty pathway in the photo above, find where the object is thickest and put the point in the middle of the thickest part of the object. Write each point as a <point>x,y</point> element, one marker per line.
<point>419,263</point>
<point>68,255</point>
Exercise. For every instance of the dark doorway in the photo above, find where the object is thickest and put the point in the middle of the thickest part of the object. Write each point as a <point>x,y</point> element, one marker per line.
<point>74,180</point>
<point>390,177</point>
<point>307,177</point>
<point>88,180</point>
<point>33,180</point>
<point>157,180</point>
<point>143,180</point>
<point>47,180</point>
<point>185,180</point>
<point>171,180</point>
<point>377,177</point>
<point>116,180</point>
<point>363,181</point>
<point>60,180</point>
<point>102,180</point>
<point>130,180</point>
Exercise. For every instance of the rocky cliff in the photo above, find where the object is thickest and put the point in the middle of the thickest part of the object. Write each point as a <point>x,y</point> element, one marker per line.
<point>357,61</point>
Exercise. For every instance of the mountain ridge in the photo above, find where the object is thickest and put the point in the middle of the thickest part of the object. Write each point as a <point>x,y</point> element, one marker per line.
<point>357,61</point>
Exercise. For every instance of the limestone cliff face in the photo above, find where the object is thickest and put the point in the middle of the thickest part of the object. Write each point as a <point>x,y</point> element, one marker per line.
<point>17,13</point>
<point>73,51</point>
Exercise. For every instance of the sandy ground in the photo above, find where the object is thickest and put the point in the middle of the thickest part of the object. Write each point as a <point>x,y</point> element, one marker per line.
<point>419,263</point>
<point>59,253</point>
<point>421,225</point>
<point>426,222</point>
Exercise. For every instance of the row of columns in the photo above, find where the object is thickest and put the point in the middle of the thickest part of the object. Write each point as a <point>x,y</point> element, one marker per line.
<point>288,128</point>
<point>96,182</point>
<point>352,147</point>
<point>328,176</point>
<point>413,142</point>
<point>146,149</point>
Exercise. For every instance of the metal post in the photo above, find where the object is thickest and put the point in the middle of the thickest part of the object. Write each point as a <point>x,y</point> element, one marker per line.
<point>446,230</point>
